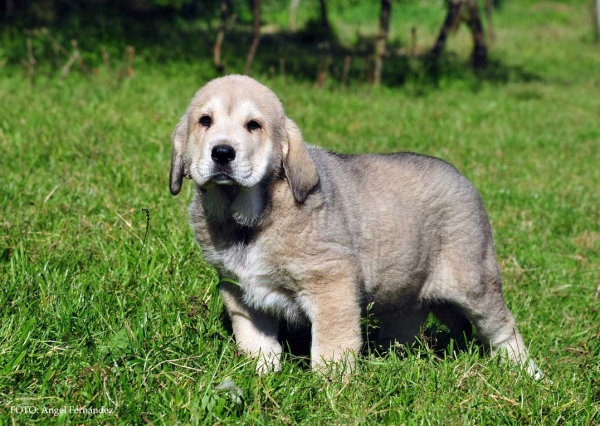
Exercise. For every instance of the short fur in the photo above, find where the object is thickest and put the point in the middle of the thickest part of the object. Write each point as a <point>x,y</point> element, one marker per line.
<point>316,236</point>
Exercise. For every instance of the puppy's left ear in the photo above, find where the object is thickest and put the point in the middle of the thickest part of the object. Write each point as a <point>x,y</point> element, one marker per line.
<point>299,167</point>
<point>178,167</point>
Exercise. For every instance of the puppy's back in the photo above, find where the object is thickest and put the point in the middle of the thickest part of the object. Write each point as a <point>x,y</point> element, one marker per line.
<point>404,179</point>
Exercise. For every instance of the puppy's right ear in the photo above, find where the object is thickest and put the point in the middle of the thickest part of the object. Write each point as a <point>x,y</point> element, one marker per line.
<point>178,167</point>
<point>299,167</point>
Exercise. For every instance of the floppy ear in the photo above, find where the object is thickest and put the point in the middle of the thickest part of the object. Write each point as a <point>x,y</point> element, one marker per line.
<point>299,167</point>
<point>178,166</point>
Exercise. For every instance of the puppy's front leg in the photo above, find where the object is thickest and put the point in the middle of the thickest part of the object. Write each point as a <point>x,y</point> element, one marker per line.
<point>336,335</point>
<point>255,332</point>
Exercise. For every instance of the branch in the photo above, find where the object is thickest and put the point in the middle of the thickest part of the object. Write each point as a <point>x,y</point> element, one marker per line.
<point>255,36</point>
<point>220,37</point>
<point>30,62</point>
<point>380,42</point>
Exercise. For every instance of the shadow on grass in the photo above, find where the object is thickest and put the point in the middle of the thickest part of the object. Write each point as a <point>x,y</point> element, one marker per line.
<point>435,339</point>
<point>450,66</point>
<point>300,55</point>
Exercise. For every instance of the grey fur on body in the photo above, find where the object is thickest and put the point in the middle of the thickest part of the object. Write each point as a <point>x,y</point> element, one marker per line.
<point>316,236</point>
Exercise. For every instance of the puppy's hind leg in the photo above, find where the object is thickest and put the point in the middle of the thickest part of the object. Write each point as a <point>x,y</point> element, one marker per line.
<point>460,327</point>
<point>401,327</point>
<point>484,305</point>
<point>497,328</point>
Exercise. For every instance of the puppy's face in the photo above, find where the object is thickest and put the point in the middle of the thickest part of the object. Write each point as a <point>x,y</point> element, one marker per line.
<point>231,132</point>
<point>234,136</point>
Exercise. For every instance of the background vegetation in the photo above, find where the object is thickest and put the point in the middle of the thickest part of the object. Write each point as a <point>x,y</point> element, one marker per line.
<point>105,300</point>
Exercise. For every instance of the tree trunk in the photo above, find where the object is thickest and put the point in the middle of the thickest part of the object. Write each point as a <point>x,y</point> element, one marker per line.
<point>459,10</point>
<point>324,20</point>
<point>347,61</point>
<point>479,47</point>
<point>255,36</point>
<point>220,37</point>
<point>10,7</point>
<point>294,15</point>
<point>596,16</point>
<point>489,7</point>
<point>30,62</point>
<point>413,43</point>
<point>452,19</point>
<point>327,60</point>
<point>380,42</point>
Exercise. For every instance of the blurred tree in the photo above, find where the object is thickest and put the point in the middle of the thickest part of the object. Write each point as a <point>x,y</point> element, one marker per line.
<point>326,44</point>
<point>294,15</point>
<point>596,17</point>
<point>255,35</point>
<point>225,8</point>
<point>155,28</point>
<point>489,7</point>
<point>381,40</point>
<point>462,11</point>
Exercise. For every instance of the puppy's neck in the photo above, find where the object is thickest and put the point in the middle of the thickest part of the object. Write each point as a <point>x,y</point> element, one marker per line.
<point>243,206</point>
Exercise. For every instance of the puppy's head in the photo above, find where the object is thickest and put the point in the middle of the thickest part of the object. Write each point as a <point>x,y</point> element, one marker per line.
<point>235,133</point>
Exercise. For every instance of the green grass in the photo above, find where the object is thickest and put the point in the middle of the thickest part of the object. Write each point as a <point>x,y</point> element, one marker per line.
<point>101,306</point>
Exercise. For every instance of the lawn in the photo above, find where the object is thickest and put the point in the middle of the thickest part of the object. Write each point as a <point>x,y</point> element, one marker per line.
<point>107,305</point>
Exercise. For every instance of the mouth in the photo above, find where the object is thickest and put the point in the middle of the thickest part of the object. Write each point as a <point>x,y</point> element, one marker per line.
<point>222,179</point>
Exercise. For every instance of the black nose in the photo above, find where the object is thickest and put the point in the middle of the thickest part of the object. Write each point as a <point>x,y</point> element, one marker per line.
<point>223,154</point>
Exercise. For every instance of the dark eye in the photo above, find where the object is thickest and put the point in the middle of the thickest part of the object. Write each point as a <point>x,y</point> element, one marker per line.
<point>253,125</point>
<point>205,121</point>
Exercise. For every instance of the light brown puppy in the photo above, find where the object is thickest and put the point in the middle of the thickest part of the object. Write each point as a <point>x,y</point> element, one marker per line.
<point>316,236</point>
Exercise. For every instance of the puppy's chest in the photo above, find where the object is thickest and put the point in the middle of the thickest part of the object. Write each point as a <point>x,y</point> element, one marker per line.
<point>269,282</point>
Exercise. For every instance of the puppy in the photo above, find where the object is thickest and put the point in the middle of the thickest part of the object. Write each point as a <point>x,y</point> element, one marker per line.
<point>315,236</point>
